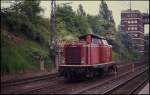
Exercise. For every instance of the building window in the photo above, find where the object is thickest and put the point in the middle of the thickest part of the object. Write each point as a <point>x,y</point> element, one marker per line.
<point>131,21</point>
<point>128,28</point>
<point>132,28</point>
<point>133,15</point>
<point>128,21</point>
<point>135,21</point>
<point>135,35</point>
<point>135,28</point>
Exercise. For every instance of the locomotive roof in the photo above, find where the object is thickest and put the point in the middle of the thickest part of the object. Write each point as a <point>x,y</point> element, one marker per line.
<point>93,35</point>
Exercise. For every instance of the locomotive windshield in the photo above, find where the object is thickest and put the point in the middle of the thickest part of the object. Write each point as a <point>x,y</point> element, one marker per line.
<point>100,41</point>
<point>104,42</point>
<point>82,40</point>
<point>95,40</point>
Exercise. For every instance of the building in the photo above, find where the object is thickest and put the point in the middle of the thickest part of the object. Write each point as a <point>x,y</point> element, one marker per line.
<point>132,22</point>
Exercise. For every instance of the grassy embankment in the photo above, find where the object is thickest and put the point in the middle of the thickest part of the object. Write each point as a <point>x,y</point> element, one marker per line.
<point>19,54</point>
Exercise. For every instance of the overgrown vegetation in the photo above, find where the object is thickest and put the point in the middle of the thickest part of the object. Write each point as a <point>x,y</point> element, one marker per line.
<point>23,18</point>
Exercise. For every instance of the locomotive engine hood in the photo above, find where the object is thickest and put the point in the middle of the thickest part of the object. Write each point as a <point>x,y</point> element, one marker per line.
<point>86,50</point>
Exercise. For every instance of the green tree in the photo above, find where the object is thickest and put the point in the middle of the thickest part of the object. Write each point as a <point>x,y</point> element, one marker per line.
<point>126,39</point>
<point>109,25</point>
<point>31,9</point>
<point>23,16</point>
<point>105,12</point>
<point>72,22</point>
<point>95,24</point>
<point>67,15</point>
<point>82,25</point>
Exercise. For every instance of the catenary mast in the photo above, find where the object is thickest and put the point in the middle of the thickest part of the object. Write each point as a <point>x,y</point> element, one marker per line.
<point>52,39</point>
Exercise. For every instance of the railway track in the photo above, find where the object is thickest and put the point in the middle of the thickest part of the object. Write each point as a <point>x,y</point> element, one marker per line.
<point>27,80</point>
<point>72,88</point>
<point>63,87</point>
<point>49,84</point>
<point>129,86</point>
<point>108,86</point>
<point>23,85</point>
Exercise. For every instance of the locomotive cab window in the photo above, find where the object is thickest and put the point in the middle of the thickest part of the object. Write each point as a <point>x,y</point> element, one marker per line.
<point>99,41</point>
<point>82,40</point>
<point>95,40</point>
<point>104,42</point>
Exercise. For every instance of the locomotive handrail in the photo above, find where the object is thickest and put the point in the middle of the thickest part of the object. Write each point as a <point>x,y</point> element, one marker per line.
<point>101,64</point>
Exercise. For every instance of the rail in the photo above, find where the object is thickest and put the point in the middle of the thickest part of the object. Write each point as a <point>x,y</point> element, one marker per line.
<point>124,83</point>
<point>104,83</point>
<point>27,80</point>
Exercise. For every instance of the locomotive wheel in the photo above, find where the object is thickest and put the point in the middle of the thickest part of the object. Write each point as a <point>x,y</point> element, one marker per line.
<point>100,72</point>
<point>69,76</point>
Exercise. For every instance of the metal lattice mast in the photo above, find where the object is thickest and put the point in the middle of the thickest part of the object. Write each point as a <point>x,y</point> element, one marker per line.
<point>53,23</point>
<point>52,39</point>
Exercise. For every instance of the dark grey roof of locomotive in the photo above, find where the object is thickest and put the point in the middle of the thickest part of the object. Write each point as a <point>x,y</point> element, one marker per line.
<point>93,35</point>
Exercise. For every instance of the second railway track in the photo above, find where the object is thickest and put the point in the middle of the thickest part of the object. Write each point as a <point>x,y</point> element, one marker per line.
<point>130,85</point>
<point>109,85</point>
<point>25,84</point>
<point>27,80</point>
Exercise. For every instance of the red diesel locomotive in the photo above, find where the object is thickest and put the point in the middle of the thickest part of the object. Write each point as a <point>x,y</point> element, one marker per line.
<point>91,56</point>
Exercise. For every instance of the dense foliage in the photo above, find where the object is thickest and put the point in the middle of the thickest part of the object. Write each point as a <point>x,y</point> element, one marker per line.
<point>24,16</point>
<point>71,21</point>
<point>27,39</point>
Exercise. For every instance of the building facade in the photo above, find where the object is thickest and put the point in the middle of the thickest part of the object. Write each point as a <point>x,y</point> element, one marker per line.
<point>132,22</point>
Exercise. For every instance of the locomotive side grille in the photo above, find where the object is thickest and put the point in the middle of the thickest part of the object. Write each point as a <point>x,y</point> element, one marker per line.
<point>73,55</point>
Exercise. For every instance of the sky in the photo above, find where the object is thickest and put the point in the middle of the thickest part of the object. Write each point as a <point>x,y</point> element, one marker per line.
<point>92,8</point>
